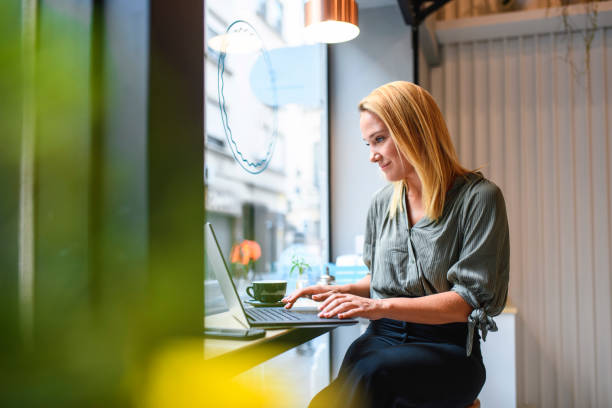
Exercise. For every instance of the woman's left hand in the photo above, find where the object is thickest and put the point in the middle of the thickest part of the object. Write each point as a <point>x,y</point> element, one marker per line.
<point>345,305</point>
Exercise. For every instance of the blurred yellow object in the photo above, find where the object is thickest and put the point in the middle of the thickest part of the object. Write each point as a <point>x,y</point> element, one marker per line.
<point>180,377</point>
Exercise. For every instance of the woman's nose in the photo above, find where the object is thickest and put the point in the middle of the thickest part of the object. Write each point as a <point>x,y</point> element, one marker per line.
<point>374,157</point>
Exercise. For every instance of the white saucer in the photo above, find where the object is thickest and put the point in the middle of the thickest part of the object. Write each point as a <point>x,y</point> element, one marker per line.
<point>257,303</point>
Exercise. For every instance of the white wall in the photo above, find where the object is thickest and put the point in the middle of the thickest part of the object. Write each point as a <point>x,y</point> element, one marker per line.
<point>542,131</point>
<point>381,53</point>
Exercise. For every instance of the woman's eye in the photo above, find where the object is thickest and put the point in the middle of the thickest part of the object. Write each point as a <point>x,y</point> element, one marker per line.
<point>377,139</point>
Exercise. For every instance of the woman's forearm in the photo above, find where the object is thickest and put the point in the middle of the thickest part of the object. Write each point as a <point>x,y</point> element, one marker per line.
<point>359,288</point>
<point>441,308</point>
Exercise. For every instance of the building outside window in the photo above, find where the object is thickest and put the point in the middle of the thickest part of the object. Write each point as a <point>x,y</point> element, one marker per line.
<point>284,207</point>
<point>274,93</point>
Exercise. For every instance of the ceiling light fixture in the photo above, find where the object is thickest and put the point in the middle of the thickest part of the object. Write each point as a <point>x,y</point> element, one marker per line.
<point>331,21</point>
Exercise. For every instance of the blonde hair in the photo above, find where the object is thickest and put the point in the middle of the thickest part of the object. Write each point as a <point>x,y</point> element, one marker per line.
<point>419,131</point>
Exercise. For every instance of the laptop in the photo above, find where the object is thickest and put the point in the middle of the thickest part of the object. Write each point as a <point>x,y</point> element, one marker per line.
<point>261,317</point>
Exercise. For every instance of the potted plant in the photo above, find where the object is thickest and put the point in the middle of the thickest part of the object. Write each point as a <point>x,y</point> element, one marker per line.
<point>299,264</point>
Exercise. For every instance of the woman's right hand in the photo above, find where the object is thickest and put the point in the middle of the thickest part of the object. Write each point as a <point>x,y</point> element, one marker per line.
<point>317,292</point>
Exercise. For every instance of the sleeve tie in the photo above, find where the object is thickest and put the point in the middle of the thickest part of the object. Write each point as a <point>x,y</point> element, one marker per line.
<point>478,319</point>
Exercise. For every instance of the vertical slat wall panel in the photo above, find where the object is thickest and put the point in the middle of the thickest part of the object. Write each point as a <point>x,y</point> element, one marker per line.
<point>601,239</point>
<point>529,216</point>
<point>466,105</point>
<point>549,219</point>
<point>451,75</point>
<point>543,132</point>
<point>604,307</point>
<point>546,70</point>
<point>584,226</point>
<point>481,121</point>
<point>511,170</point>
<point>464,8</point>
<point>537,256</point>
<point>554,179</point>
<point>565,149</point>
<point>546,56</point>
<point>496,103</point>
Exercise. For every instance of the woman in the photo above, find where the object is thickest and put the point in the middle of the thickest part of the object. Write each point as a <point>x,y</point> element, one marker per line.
<point>437,249</point>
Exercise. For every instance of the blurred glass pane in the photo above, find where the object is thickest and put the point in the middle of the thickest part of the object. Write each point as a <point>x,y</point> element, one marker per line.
<point>266,140</point>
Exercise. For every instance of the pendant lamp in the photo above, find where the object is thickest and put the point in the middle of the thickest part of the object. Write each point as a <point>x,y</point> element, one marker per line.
<point>331,21</point>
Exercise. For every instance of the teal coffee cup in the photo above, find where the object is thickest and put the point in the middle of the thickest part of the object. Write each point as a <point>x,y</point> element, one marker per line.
<point>267,291</point>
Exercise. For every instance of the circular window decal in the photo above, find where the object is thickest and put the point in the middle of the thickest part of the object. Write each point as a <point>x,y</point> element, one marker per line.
<point>250,123</point>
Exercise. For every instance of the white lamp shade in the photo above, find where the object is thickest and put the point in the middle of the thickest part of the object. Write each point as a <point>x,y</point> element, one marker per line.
<point>331,21</point>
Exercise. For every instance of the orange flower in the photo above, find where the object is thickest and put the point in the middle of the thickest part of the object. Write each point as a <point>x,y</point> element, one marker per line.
<point>235,256</point>
<point>245,252</point>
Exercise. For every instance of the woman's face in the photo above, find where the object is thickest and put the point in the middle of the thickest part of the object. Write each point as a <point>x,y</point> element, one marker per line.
<point>382,148</point>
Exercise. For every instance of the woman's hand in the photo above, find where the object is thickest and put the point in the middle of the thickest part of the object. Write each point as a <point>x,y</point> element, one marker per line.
<point>318,292</point>
<point>345,305</point>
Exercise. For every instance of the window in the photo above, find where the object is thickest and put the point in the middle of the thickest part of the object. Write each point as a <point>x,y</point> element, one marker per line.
<point>270,95</point>
<point>271,11</point>
<point>273,95</point>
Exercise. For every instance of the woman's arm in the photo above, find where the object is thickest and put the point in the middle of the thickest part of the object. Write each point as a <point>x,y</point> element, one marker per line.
<point>359,288</point>
<point>323,292</point>
<point>446,307</point>
<point>441,308</point>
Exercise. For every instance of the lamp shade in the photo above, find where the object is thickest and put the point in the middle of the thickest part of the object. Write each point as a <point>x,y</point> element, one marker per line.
<point>331,21</point>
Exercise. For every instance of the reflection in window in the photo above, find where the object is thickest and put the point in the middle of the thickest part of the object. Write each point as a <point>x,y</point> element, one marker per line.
<point>271,11</point>
<point>284,208</point>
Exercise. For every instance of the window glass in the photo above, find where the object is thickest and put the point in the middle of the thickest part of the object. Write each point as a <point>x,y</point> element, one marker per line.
<point>266,142</point>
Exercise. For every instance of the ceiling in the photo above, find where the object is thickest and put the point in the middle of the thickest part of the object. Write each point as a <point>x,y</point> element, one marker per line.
<point>364,4</point>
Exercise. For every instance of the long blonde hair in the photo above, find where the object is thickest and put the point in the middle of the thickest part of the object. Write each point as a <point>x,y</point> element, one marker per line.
<point>419,132</point>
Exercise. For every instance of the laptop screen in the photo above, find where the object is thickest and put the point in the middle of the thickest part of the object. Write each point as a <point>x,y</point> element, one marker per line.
<point>221,271</point>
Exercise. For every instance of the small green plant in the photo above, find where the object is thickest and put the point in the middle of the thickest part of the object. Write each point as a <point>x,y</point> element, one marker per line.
<point>298,263</point>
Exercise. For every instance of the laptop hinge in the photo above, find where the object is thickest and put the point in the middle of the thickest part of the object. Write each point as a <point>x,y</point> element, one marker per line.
<point>243,324</point>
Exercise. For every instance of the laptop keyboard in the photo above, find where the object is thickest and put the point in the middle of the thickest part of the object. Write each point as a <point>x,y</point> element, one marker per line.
<point>274,314</point>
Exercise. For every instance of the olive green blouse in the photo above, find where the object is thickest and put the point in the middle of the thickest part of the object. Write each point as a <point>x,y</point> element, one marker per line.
<point>467,250</point>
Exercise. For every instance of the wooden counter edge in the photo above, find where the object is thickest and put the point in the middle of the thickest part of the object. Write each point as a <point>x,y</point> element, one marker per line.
<point>242,355</point>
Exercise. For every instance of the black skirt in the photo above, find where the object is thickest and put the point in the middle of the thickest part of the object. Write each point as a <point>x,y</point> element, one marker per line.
<point>401,364</point>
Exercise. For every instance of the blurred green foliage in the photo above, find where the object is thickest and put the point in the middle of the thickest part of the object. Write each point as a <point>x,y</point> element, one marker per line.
<point>71,355</point>
<point>117,284</point>
<point>10,126</point>
<point>94,329</point>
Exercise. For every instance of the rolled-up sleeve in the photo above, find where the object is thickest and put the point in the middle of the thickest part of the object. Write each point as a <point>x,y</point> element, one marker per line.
<point>480,275</point>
